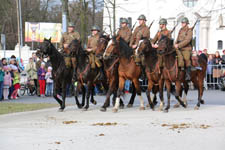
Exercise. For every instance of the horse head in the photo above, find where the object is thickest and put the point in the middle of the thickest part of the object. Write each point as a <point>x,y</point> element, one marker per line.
<point>102,43</point>
<point>164,45</point>
<point>74,47</point>
<point>143,47</point>
<point>45,48</point>
<point>112,48</point>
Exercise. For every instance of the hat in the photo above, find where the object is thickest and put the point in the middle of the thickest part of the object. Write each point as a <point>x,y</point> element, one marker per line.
<point>49,68</point>
<point>163,21</point>
<point>142,17</point>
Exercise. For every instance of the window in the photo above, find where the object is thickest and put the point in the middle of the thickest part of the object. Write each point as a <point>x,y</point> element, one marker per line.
<point>190,3</point>
<point>220,44</point>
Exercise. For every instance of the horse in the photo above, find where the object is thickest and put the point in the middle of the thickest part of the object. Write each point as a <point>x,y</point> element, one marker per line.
<point>127,70</point>
<point>111,69</point>
<point>152,70</point>
<point>62,75</point>
<point>171,72</point>
<point>86,76</point>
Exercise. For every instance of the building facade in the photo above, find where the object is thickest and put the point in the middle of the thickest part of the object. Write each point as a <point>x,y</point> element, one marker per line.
<point>209,32</point>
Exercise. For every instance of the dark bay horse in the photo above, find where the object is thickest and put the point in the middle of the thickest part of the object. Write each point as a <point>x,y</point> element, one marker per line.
<point>111,68</point>
<point>171,72</point>
<point>62,75</point>
<point>86,76</point>
<point>127,70</point>
<point>152,69</point>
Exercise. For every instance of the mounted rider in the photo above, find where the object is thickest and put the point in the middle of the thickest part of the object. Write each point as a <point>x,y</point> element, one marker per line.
<point>124,31</point>
<point>66,39</point>
<point>142,31</point>
<point>162,31</point>
<point>91,48</point>
<point>183,44</point>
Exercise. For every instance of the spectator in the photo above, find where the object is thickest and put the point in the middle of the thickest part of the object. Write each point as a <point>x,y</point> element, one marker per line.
<point>4,62</point>
<point>38,65</point>
<point>209,72</point>
<point>34,57</point>
<point>1,81</point>
<point>205,51</point>
<point>223,57</point>
<point>7,83</point>
<point>41,79</point>
<point>217,69</point>
<point>32,71</point>
<point>49,82</point>
<point>11,68</point>
<point>16,83</point>
<point>48,63</point>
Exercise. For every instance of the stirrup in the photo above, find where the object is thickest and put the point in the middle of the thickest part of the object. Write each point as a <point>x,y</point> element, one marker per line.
<point>198,68</point>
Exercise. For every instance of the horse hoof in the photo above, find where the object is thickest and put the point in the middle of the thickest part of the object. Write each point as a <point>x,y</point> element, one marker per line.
<point>85,109</point>
<point>160,109</point>
<point>121,106</point>
<point>202,101</point>
<point>79,106</point>
<point>115,110</point>
<point>166,111</point>
<point>103,109</point>
<point>196,108</point>
<point>142,108</point>
<point>147,105</point>
<point>94,102</point>
<point>176,105</point>
<point>129,105</point>
<point>60,110</point>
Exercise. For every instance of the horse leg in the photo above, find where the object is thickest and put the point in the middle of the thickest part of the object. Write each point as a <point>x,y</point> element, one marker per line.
<point>150,85</point>
<point>107,101</point>
<point>131,102</point>
<point>200,93</point>
<point>161,83</point>
<point>168,88</point>
<point>177,95</point>
<point>63,96</point>
<point>83,95</point>
<point>55,95</point>
<point>154,91</point>
<point>137,86</point>
<point>89,91</point>
<point>186,88</point>
<point>119,93</point>
<point>76,94</point>
<point>93,101</point>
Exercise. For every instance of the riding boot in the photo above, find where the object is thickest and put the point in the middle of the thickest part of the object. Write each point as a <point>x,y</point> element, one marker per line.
<point>102,74</point>
<point>143,75</point>
<point>188,73</point>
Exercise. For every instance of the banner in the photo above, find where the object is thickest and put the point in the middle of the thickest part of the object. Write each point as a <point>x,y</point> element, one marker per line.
<point>36,32</point>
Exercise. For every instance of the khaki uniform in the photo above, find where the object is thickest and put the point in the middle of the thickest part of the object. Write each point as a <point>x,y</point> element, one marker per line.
<point>93,43</point>
<point>157,37</point>
<point>141,31</point>
<point>125,33</point>
<point>184,40</point>
<point>67,38</point>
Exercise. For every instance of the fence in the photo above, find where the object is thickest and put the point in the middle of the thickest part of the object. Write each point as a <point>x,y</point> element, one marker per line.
<point>212,78</point>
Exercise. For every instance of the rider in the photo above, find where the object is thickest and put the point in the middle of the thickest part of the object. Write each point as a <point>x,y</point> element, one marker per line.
<point>124,31</point>
<point>162,31</point>
<point>142,31</point>
<point>91,48</point>
<point>66,39</point>
<point>183,44</point>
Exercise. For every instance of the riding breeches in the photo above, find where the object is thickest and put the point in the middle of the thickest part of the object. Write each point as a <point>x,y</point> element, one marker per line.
<point>187,57</point>
<point>180,59</point>
<point>94,61</point>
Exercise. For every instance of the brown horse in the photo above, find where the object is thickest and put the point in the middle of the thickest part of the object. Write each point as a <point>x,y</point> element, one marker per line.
<point>171,72</point>
<point>152,69</point>
<point>111,68</point>
<point>128,70</point>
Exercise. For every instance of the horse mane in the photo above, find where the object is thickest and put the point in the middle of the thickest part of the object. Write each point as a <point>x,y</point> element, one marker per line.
<point>124,49</point>
<point>152,52</point>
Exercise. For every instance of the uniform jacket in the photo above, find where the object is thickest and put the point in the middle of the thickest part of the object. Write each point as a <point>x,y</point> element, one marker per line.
<point>93,42</point>
<point>158,35</point>
<point>67,38</point>
<point>125,33</point>
<point>139,32</point>
<point>184,39</point>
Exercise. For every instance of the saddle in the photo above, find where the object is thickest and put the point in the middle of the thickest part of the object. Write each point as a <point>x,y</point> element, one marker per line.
<point>194,61</point>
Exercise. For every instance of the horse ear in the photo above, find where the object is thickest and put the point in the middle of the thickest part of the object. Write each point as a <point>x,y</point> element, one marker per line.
<point>118,38</point>
<point>50,39</point>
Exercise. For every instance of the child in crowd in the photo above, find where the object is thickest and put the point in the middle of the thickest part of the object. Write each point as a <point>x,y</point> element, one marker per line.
<point>41,79</point>
<point>16,83</point>
<point>1,81</point>
<point>49,82</point>
<point>7,82</point>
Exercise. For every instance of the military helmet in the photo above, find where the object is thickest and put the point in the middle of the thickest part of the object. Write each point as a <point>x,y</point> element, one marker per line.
<point>71,24</point>
<point>163,21</point>
<point>142,17</point>
<point>185,20</point>
<point>124,20</point>
<point>95,28</point>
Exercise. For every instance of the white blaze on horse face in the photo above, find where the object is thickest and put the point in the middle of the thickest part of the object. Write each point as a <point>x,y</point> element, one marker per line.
<point>110,42</point>
<point>136,51</point>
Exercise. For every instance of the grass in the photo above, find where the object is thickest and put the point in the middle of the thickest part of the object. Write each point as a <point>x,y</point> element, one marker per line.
<point>6,108</point>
